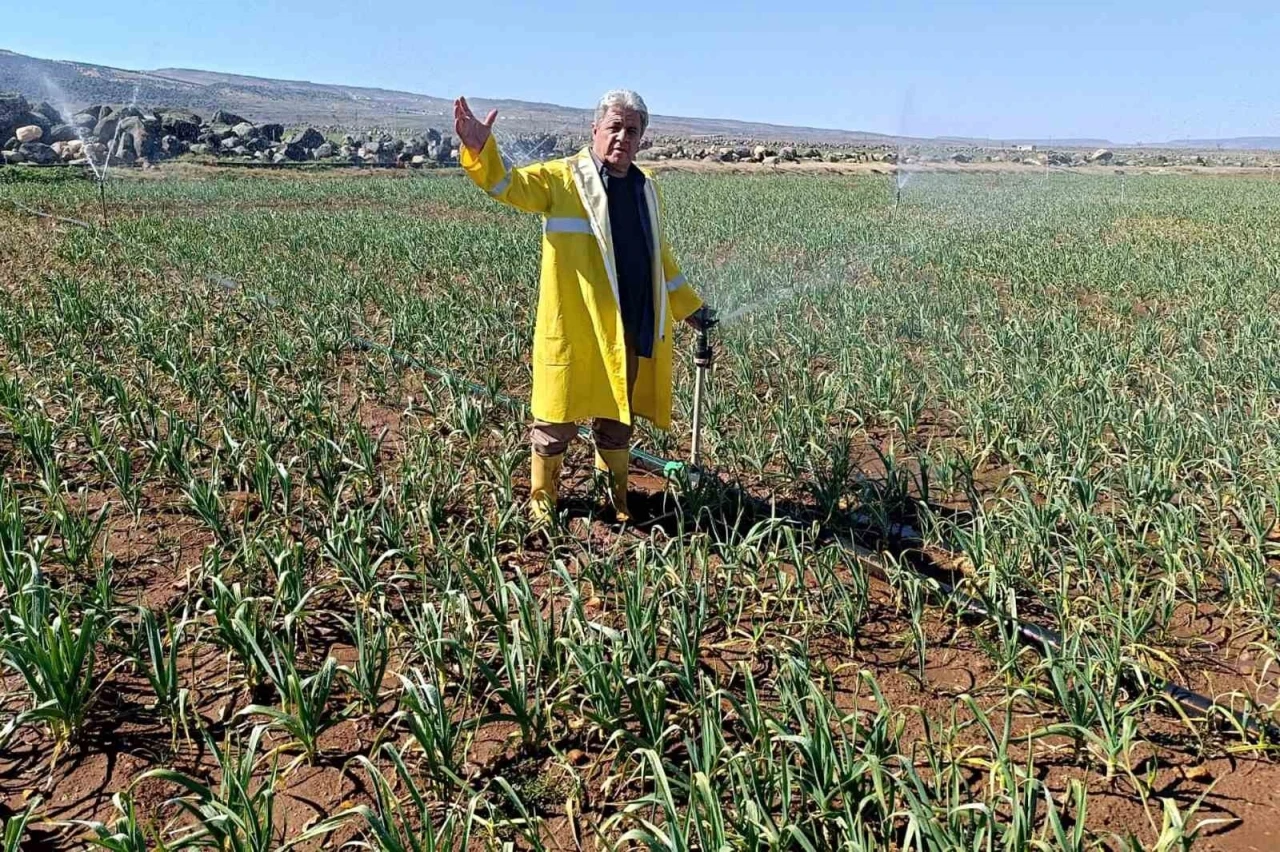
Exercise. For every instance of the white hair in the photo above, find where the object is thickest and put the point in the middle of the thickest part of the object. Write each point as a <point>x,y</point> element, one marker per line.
<point>623,99</point>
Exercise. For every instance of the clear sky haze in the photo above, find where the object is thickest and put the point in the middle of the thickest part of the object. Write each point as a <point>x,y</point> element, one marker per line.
<point>1135,71</point>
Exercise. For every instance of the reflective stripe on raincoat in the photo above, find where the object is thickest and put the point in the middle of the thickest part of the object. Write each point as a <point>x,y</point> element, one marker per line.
<point>579,353</point>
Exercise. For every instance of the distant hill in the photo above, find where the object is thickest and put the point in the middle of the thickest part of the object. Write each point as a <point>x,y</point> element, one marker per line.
<point>71,85</point>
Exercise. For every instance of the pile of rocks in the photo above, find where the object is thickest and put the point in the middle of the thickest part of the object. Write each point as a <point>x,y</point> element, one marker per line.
<point>32,133</point>
<point>1071,159</point>
<point>383,149</point>
<point>769,155</point>
<point>729,153</point>
<point>128,135</point>
<point>1136,157</point>
<point>120,135</point>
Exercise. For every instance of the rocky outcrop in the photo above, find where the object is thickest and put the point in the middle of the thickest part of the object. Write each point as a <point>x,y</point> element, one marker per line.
<point>15,113</point>
<point>179,123</point>
<point>309,139</point>
<point>224,117</point>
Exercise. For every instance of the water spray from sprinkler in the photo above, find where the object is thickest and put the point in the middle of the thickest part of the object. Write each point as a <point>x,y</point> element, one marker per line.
<point>520,153</point>
<point>901,177</point>
<point>775,295</point>
<point>53,92</point>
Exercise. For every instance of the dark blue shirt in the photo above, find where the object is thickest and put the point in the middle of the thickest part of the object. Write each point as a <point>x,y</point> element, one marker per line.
<point>632,251</point>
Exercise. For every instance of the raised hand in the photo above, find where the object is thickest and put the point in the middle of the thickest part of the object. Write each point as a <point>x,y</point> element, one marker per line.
<point>472,131</point>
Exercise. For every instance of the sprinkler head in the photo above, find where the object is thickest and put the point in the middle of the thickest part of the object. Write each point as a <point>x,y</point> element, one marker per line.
<point>707,319</point>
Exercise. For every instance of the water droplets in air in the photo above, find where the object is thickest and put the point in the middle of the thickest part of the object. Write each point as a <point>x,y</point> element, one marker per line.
<point>901,174</point>
<point>522,151</point>
<point>101,164</point>
<point>733,315</point>
<point>523,148</point>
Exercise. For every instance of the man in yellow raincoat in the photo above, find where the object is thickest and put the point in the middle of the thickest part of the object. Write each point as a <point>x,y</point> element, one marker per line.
<point>609,294</point>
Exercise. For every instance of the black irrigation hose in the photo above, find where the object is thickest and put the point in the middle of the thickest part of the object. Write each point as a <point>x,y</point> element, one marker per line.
<point>908,533</point>
<point>1044,638</point>
<point>1047,639</point>
<point>41,214</point>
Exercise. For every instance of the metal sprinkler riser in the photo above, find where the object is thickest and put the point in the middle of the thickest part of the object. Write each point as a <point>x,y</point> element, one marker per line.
<point>703,356</point>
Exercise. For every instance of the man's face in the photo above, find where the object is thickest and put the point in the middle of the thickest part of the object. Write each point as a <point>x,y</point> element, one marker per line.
<point>615,138</point>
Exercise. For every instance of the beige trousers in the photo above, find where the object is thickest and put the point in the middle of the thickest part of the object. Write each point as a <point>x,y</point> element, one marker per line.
<point>552,439</point>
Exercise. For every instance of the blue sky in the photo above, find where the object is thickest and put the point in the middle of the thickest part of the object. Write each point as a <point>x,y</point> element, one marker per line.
<point>1141,70</point>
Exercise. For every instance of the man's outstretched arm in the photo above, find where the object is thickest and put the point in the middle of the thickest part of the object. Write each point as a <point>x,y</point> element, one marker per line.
<point>525,188</point>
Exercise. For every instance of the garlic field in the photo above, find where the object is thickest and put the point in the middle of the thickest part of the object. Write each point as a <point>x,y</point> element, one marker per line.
<point>988,560</point>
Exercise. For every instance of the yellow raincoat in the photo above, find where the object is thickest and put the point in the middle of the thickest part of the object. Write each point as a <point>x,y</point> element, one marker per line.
<point>579,354</point>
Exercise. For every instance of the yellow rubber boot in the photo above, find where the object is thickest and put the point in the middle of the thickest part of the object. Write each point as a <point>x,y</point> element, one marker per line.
<point>544,490</point>
<point>616,463</point>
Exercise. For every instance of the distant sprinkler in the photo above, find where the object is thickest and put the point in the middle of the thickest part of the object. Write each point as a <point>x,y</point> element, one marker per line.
<point>900,179</point>
<point>112,148</point>
<point>88,143</point>
<point>102,199</point>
